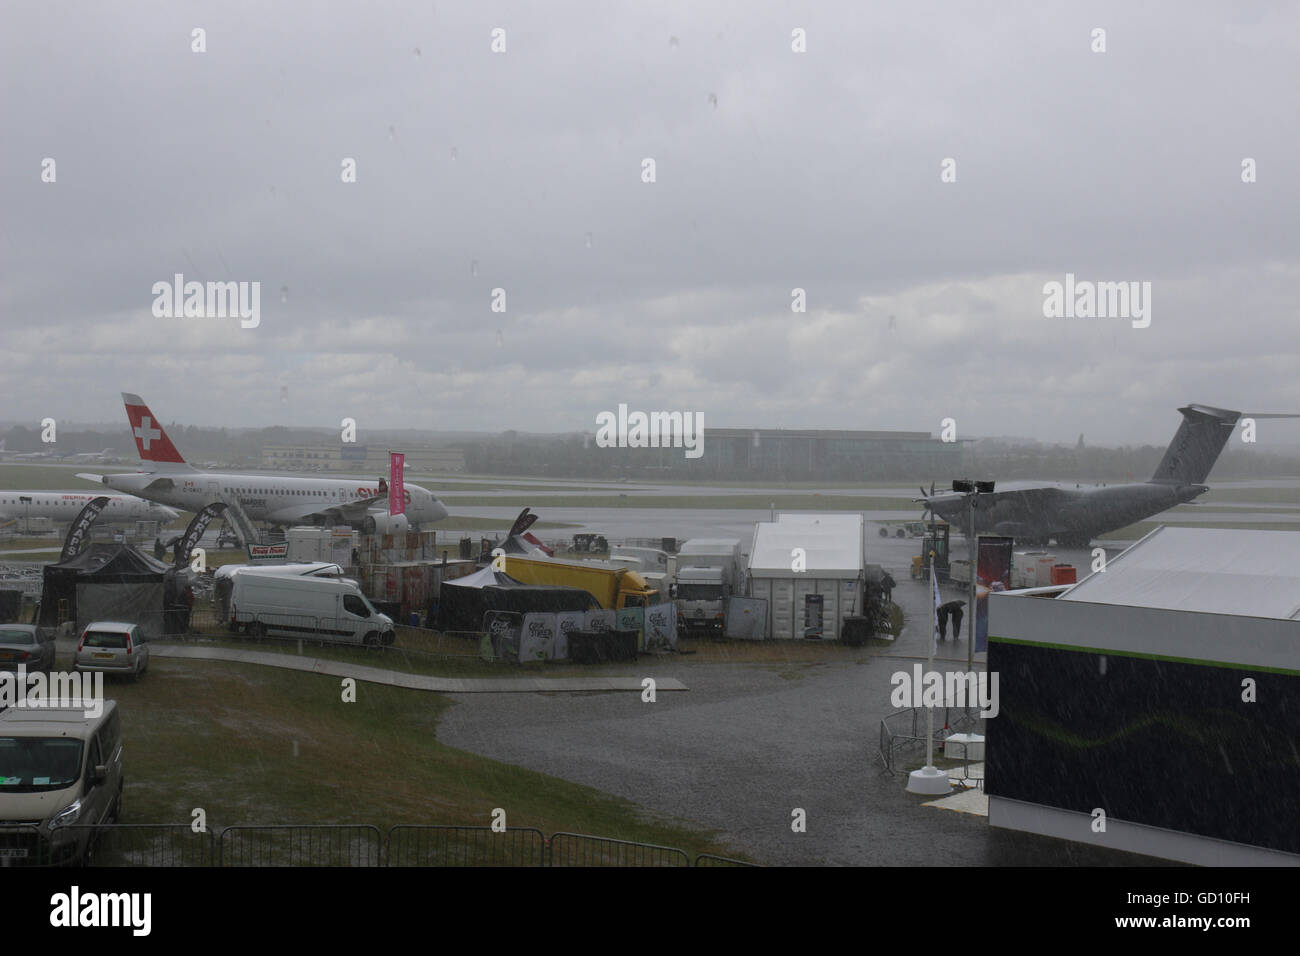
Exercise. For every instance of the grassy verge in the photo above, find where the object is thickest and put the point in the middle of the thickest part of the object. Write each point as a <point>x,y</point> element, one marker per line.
<point>255,745</point>
<point>417,651</point>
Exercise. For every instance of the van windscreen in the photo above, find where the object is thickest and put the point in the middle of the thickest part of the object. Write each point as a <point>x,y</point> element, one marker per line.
<point>34,764</point>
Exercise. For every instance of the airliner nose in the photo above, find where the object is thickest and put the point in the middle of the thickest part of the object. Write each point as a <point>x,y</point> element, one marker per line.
<point>438,508</point>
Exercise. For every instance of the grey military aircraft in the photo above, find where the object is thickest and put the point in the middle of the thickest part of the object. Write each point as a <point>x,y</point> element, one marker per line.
<point>1035,513</point>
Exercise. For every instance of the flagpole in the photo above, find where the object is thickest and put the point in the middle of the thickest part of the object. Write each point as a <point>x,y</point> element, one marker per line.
<point>930,780</point>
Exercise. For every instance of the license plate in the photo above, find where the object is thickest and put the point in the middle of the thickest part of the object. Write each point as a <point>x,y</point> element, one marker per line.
<point>13,854</point>
<point>103,657</point>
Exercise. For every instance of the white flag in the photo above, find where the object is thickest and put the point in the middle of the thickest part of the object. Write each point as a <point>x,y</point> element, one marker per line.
<point>934,614</point>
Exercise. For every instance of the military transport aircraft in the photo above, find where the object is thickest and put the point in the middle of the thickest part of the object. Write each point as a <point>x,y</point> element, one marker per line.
<point>1034,512</point>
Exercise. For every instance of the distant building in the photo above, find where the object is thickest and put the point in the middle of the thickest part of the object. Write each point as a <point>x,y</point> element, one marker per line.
<point>813,455</point>
<point>361,459</point>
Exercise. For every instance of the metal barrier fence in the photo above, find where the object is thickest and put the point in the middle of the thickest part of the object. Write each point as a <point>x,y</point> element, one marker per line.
<point>903,732</point>
<point>464,846</point>
<point>577,849</point>
<point>147,844</point>
<point>23,845</point>
<point>178,845</point>
<point>310,845</point>
<point>708,859</point>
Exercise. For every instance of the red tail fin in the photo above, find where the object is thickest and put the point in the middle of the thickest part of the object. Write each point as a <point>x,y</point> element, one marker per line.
<point>150,440</point>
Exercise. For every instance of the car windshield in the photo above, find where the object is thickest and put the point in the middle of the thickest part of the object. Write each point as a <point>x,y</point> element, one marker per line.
<point>105,639</point>
<point>16,636</point>
<point>34,764</point>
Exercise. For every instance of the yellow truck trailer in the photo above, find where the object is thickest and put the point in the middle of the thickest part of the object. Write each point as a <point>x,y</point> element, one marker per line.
<point>613,587</point>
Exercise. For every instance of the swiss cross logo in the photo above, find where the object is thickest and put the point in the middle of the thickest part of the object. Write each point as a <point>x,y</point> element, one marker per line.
<point>146,432</point>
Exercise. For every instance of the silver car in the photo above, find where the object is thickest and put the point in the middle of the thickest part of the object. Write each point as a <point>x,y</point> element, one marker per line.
<point>21,645</point>
<point>112,647</point>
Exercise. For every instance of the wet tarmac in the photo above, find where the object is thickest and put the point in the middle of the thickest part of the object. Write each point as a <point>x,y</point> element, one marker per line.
<point>748,744</point>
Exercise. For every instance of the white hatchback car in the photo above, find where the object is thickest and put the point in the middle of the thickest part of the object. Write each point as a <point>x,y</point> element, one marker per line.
<point>112,647</point>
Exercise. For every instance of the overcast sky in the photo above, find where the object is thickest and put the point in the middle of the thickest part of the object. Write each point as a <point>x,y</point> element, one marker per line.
<point>775,170</point>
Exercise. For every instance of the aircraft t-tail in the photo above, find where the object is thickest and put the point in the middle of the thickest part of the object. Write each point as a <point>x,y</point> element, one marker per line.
<point>1036,512</point>
<point>276,499</point>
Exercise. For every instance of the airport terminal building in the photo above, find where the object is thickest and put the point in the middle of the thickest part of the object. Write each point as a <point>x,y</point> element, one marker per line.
<point>359,458</point>
<point>797,454</point>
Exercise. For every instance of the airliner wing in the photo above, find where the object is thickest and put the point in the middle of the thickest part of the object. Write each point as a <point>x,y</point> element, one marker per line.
<point>344,513</point>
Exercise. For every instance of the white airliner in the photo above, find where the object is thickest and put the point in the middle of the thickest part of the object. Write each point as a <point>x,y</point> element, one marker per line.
<point>278,499</point>
<point>64,506</point>
<point>105,456</point>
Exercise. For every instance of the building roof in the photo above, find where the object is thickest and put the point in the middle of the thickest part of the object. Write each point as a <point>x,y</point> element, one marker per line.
<point>832,545</point>
<point>1210,570</point>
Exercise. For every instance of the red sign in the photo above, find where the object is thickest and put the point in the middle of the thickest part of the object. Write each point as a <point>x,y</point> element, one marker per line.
<point>396,493</point>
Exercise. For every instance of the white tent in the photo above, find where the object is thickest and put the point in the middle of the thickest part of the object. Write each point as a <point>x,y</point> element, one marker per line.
<point>809,569</point>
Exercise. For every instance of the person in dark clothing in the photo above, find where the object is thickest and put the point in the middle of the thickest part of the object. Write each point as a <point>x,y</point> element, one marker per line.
<point>887,584</point>
<point>943,621</point>
<point>953,609</point>
<point>158,549</point>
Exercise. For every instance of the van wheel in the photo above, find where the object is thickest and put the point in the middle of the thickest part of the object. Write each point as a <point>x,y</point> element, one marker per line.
<point>371,641</point>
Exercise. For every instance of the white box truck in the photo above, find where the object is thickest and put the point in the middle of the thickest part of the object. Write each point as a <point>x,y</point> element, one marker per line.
<point>709,572</point>
<point>322,609</point>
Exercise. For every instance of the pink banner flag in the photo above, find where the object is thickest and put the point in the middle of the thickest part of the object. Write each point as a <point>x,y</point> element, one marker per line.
<point>396,492</point>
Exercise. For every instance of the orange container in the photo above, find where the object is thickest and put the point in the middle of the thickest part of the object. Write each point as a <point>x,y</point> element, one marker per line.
<point>1063,574</point>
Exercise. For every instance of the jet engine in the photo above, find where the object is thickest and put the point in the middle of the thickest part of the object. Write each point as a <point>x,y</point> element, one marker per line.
<point>384,524</point>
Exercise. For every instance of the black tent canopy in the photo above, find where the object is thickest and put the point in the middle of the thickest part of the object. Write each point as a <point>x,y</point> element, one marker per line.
<point>106,582</point>
<point>462,602</point>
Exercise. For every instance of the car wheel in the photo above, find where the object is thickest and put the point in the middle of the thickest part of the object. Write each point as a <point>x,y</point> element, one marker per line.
<point>884,532</point>
<point>900,533</point>
<point>115,814</point>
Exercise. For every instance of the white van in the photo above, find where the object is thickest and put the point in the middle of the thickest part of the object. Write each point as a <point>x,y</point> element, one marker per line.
<point>60,776</point>
<point>323,609</point>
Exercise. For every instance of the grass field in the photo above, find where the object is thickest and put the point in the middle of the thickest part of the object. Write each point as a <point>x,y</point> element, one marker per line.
<point>251,744</point>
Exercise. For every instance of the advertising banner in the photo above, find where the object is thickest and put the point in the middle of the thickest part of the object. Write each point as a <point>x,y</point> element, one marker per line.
<point>268,553</point>
<point>661,625</point>
<point>537,636</point>
<point>565,621</point>
<point>602,619</point>
<point>503,630</point>
<point>81,526</point>
<point>396,491</point>
<point>632,619</point>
